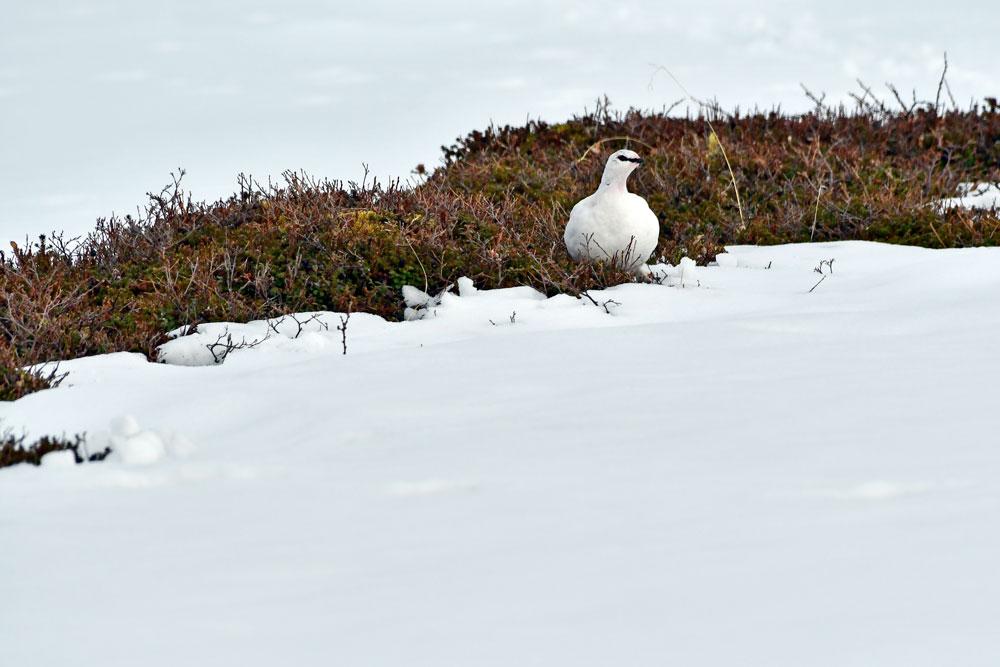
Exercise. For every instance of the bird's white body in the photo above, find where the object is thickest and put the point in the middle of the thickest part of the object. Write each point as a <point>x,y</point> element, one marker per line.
<point>613,224</point>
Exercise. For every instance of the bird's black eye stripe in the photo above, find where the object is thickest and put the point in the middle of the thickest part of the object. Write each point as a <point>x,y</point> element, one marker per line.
<point>629,159</point>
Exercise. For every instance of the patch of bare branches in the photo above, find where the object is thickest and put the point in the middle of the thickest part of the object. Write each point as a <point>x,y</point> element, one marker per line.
<point>828,263</point>
<point>225,344</point>
<point>13,449</point>
<point>300,324</point>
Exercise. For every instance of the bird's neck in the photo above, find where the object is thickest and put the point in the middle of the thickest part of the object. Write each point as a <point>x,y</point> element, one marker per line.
<point>613,184</point>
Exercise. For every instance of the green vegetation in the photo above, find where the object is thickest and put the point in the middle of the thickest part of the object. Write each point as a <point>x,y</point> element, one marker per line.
<point>494,211</point>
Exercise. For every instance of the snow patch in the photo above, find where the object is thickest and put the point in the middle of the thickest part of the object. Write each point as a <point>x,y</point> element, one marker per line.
<point>133,446</point>
<point>301,333</point>
<point>701,463</point>
<point>734,261</point>
<point>419,304</point>
<point>982,196</point>
<point>685,274</point>
<point>466,288</point>
<point>61,459</point>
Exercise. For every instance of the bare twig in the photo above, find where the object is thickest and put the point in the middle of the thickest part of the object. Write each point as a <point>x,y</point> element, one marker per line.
<point>224,344</point>
<point>300,325</point>
<point>274,324</point>
<point>907,109</point>
<point>342,328</point>
<point>818,101</point>
<point>817,284</point>
<point>608,303</point>
<point>586,294</point>
<point>828,263</point>
<point>875,105</point>
<point>941,84</point>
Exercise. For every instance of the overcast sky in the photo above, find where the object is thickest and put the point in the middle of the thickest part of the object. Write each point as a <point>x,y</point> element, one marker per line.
<point>100,100</point>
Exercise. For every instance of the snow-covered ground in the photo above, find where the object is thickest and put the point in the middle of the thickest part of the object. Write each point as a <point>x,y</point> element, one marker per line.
<point>101,99</point>
<point>741,472</point>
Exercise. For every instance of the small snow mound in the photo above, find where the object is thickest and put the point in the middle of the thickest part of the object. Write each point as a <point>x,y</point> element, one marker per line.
<point>688,272</point>
<point>132,445</point>
<point>183,330</point>
<point>466,287</point>
<point>419,304</point>
<point>61,459</point>
<point>125,426</point>
<point>727,259</point>
<point>982,196</point>
<point>685,274</point>
<point>317,332</point>
<point>141,449</point>
<point>186,350</point>
<point>414,297</point>
<point>510,294</point>
<point>732,261</point>
<point>178,446</point>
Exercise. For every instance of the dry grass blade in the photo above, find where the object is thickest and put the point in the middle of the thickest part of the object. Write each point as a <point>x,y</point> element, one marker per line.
<point>722,147</point>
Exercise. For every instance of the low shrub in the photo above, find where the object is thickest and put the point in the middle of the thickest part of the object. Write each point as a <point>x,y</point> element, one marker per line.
<point>16,382</point>
<point>494,211</point>
<point>13,450</point>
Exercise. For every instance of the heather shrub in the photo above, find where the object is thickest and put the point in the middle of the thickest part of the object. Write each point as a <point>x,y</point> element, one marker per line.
<point>17,380</point>
<point>494,211</point>
<point>14,450</point>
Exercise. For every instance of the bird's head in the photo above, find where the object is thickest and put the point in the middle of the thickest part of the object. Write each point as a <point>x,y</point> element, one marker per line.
<point>619,166</point>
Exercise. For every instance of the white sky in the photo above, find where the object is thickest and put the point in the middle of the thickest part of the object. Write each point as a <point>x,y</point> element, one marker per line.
<point>99,101</point>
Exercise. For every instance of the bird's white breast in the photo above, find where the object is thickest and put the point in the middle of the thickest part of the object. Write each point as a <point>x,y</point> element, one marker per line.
<point>612,225</point>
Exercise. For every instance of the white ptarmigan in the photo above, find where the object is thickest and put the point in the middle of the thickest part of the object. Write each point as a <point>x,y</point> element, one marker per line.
<point>613,224</point>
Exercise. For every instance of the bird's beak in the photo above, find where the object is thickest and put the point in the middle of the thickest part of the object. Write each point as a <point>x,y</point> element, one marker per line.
<point>640,162</point>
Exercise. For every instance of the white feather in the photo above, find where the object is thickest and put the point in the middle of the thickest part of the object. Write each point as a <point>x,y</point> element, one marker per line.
<point>613,224</point>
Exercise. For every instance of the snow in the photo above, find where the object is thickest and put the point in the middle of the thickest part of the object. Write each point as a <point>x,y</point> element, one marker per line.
<point>737,472</point>
<point>61,459</point>
<point>974,196</point>
<point>133,446</point>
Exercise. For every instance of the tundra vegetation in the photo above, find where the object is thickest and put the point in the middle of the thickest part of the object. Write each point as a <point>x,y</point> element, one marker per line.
<point>494,211</point>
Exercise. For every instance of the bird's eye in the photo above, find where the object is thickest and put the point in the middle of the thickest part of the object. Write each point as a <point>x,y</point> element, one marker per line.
<point>623,158</point>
